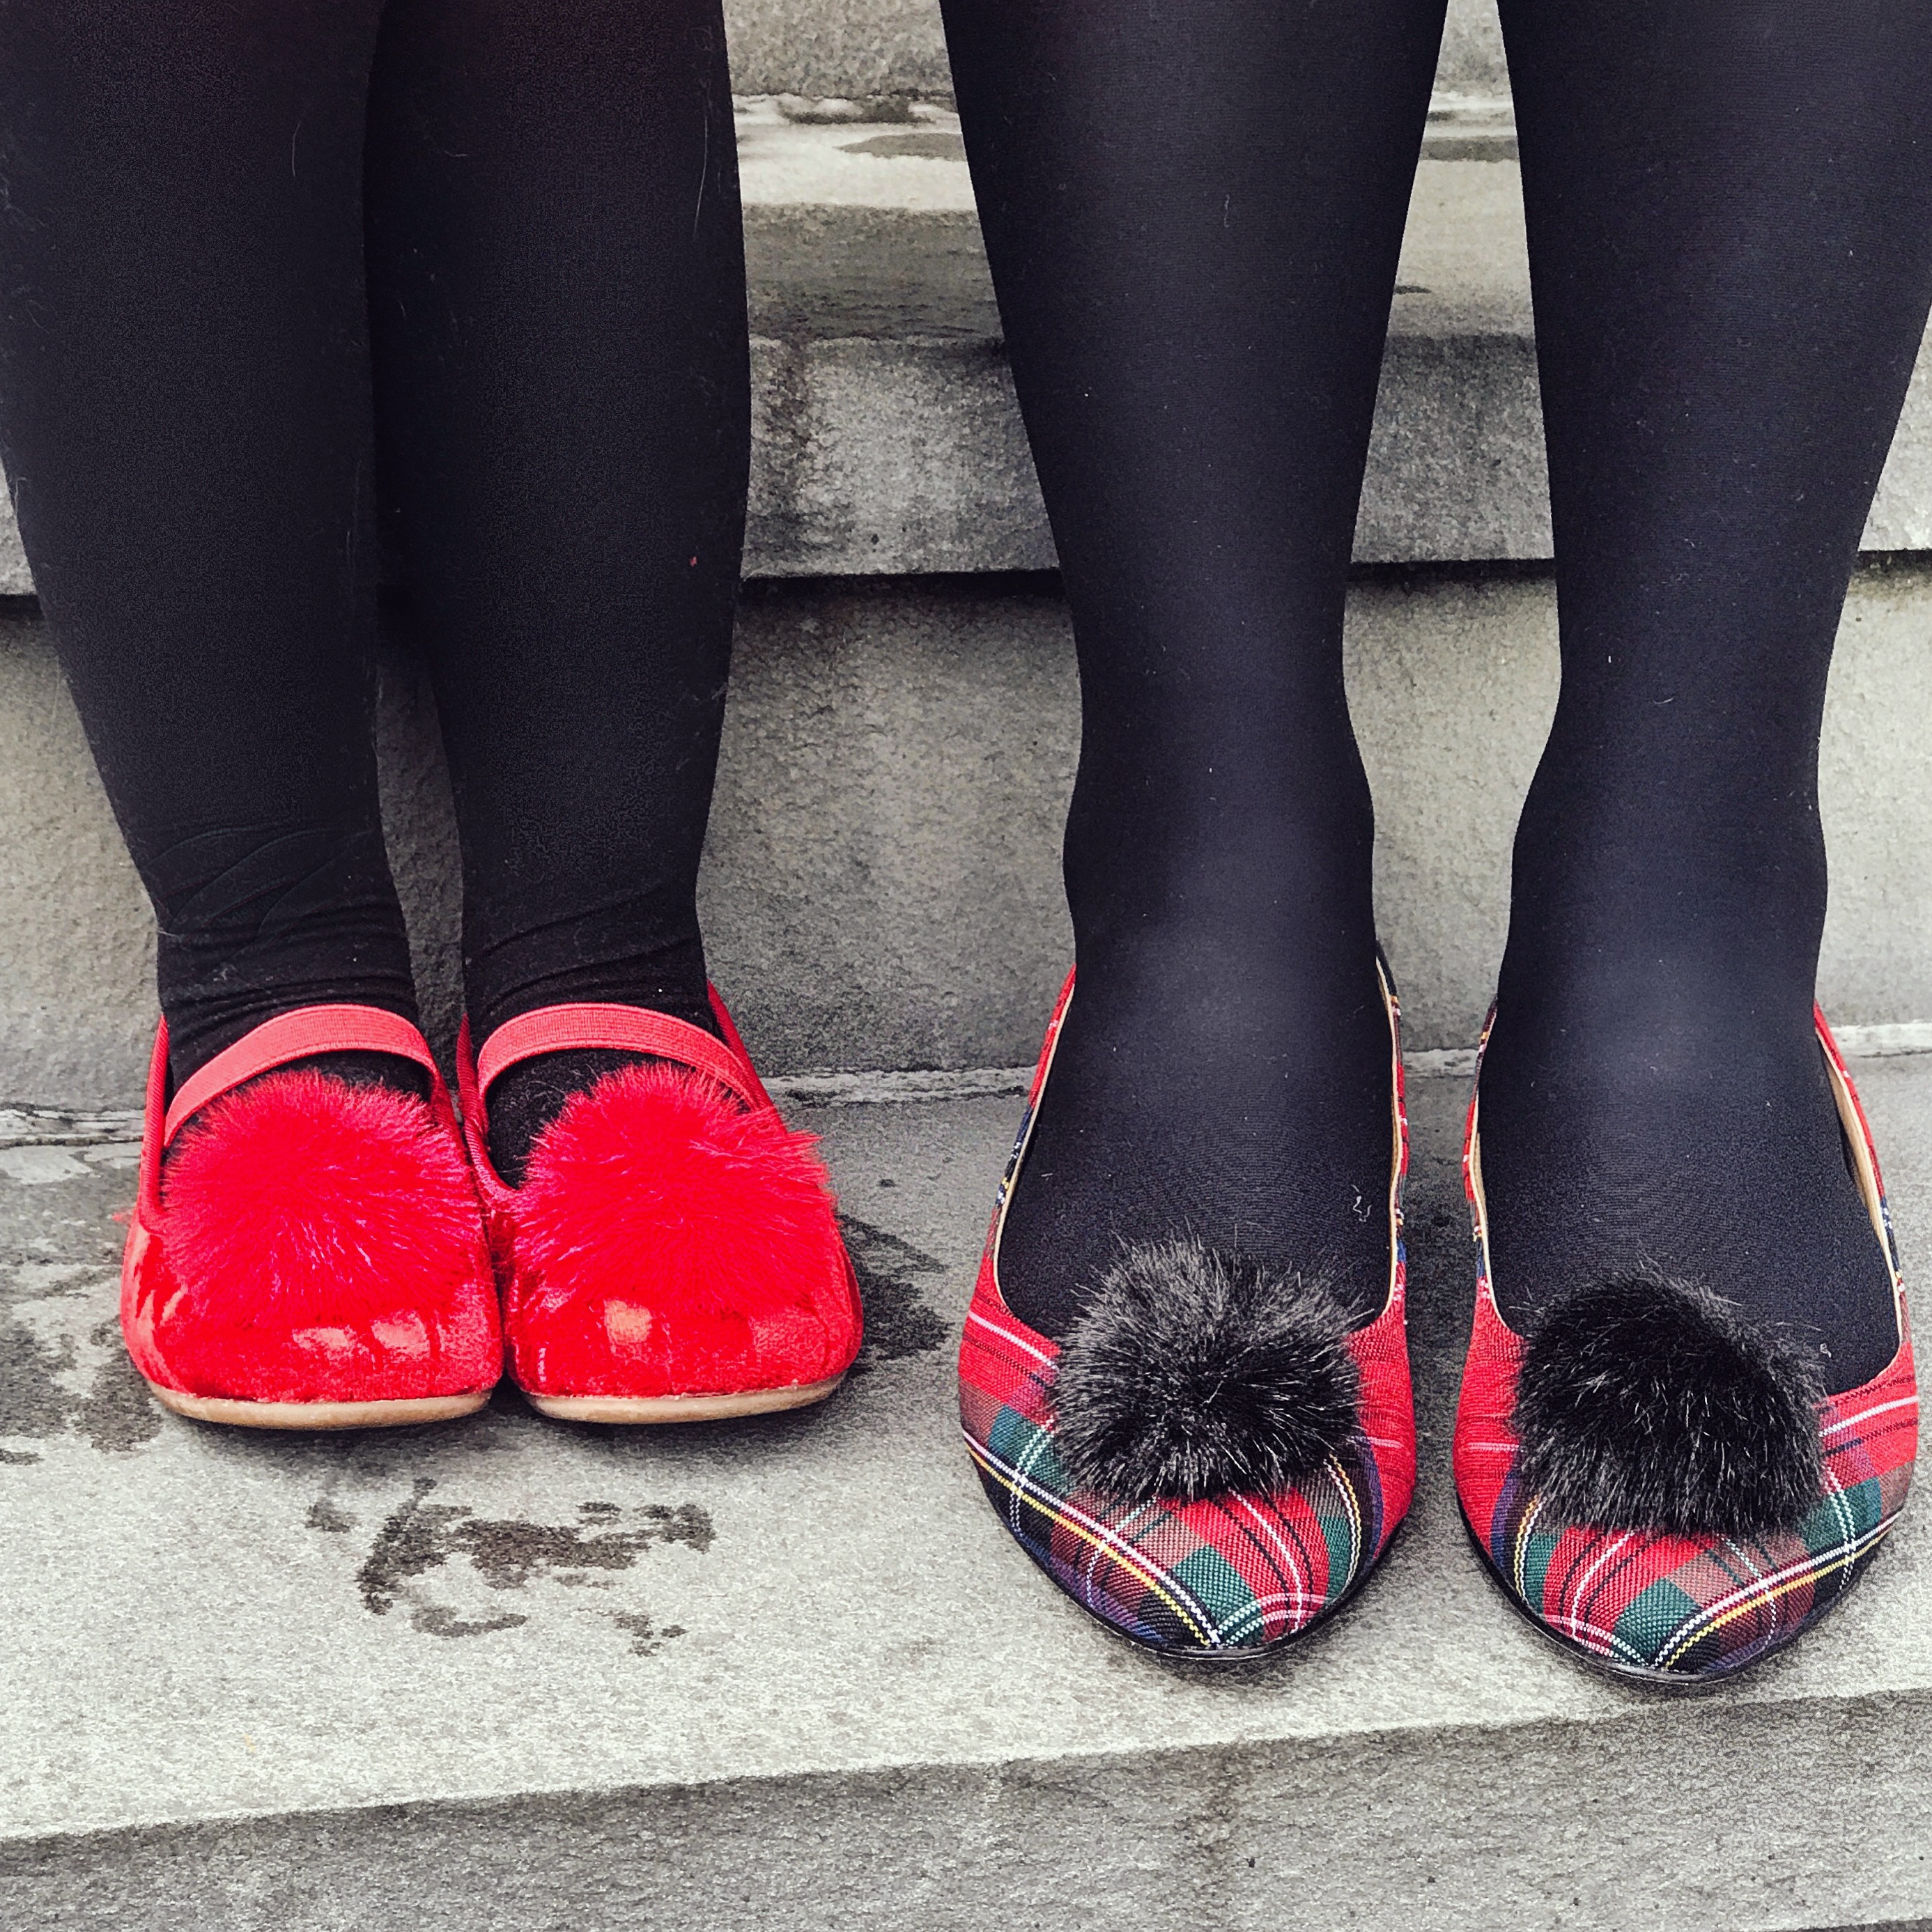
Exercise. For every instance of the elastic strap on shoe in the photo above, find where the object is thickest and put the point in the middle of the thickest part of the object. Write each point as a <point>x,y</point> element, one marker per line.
<point>301,1035</point>
<point>580,1027</point>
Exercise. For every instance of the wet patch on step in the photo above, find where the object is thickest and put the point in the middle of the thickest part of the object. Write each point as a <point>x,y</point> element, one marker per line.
<point>932,144</point>
<point>64,1374</point>
<point>447,1567</point>
<point>898,1321</point>
<point>646,1639</point>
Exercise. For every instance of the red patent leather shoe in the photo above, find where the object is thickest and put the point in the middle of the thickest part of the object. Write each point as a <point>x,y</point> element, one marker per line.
<point>312,1254</point>
<point>673,1253</point>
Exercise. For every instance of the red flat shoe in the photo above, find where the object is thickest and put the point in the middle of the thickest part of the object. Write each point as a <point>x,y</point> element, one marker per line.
<point>1225,1576</point>
<point>674,1254</point>
<point>1681,1609</point>
<point>312,1256</point>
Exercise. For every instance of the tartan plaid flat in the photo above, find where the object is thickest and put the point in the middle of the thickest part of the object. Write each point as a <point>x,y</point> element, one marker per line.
<point>1685,1610</point>
<point>1228,1577</point>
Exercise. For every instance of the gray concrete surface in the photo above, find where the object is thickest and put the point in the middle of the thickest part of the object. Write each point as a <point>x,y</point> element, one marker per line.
<point>862,47</point>
<point>882,886</point>
<point>888,441</point>
<point>508,1673</point>
<point>853,48</point>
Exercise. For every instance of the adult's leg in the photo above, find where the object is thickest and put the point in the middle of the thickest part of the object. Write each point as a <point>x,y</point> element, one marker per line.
<point>1730,230</point>
<point>184,418</point>
<point>1193,215</point>
<point>558,304</point>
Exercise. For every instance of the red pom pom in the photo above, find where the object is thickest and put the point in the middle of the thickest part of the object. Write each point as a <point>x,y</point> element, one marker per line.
<point>325,1244</point>
<point>669,1240</point>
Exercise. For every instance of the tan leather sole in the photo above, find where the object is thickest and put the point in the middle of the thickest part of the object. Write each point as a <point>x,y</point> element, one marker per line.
<point>680,1408</point>
<point>319,1414</point>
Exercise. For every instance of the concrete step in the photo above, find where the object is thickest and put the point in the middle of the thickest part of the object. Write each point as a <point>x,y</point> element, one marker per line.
<point>512,1673</point>
<point>869,48</point>
<point>888,436</point>
<point>881,888</point>
<point>887,439</point>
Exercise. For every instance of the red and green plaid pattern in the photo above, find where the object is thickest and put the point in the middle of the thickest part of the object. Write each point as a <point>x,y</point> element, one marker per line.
<point>1231,1576</point>
<point>1686,1607</point>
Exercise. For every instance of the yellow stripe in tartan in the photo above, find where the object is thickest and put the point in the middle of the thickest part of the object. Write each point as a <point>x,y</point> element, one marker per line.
<point>1357,1526</point>
<point>1577,1627</point>
<point>1193,1615</point>
<point>1763,1596</point>
<point>1519,1549</point>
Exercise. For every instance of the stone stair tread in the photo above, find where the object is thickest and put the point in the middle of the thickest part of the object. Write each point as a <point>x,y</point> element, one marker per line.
<point>886,440</point>
<point>207,1628</point>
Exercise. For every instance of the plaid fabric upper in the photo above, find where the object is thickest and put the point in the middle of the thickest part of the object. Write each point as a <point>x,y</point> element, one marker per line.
<point>1236,1574</point>
<point>1691,1606</point>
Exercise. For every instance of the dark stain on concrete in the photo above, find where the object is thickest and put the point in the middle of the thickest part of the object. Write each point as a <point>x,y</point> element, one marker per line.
<point>932,144</point>
<point>898,1323</point>
<point>63,1371</point>
<point>33,1404</point>
<point>647,1639</point>
<point>326,1517</point>
<point>439,1620</point>
<point>114,1413</point>
<point>118,1413</point>
<point>422,1536</point>
<point>507,1556</point>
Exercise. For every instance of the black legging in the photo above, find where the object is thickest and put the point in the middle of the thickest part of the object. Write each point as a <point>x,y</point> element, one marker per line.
<point>554,299</point>
<point>1193,215</point>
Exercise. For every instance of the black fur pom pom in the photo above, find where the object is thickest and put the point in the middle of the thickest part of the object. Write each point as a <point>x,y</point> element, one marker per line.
<point>1195,1373</point>
<point>1652,1404</point>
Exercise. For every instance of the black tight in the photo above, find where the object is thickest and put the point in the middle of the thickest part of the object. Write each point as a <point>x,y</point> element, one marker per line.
<point>557,358</point>
<point>1193,215</point>
<point>1730,232</point>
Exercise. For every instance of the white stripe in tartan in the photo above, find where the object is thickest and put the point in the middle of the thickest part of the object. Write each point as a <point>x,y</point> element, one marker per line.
<point>1007,1334</point>
<point>1758,1586</point>
<point>1303,1595</point>
<point>1300,1592</point>
<point>1294,1602</point>
<point>1712,1616</point>
<point>1579,1627</point>
<point>1866,1415</point>
<point>1518,1581</point>
<point>1160,1582</point>
<point>1583,1631</point>
<point>1840,1507</point>
<point>1622,1540</point>
<point>1358,1530</point>
<point>1593,1636</point>
<point>1126,1529</point>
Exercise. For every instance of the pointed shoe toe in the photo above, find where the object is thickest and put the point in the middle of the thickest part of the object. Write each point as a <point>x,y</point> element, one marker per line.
<point>673,1253</point>
<point>1214,1461</point>
<point>312,1254</point>
<point>1655,1483</point>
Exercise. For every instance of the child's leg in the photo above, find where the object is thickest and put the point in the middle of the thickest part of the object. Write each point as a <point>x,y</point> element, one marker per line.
<point>559,310</point>
<point>184,414</point>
